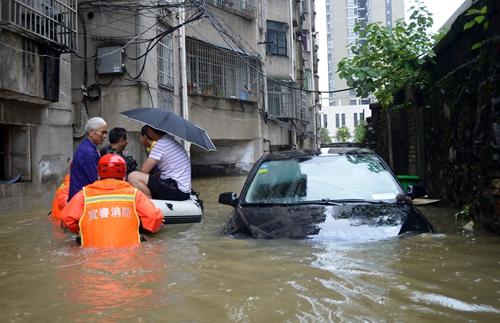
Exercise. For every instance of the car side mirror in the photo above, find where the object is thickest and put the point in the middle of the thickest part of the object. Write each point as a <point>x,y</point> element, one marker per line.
<point>415,191</point>
<point>228,198</point>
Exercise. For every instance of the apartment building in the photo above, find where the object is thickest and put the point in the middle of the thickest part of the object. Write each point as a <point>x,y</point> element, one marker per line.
<point>341,17</point>
<point>214,71</point>
<point>35,98</point>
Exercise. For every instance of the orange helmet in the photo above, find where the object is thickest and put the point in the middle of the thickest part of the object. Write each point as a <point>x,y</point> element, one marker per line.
<point>112,166</point>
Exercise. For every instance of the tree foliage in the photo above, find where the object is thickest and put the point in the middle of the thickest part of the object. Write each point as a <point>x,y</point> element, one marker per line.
<point>343,134</point>
<point>388,59</point>
<point>324,136</point>
<point>359,132</point>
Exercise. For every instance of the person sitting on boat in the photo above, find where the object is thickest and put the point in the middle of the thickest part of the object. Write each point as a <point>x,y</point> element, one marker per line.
<point>60,198</point>
<point>110,212</point>
<point>147,142</point>
<point>174,179</point>
<point>83,169</point>
<point>118,140</point>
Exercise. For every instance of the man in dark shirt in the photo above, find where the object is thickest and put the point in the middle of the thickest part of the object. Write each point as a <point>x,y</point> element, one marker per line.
<point>118,140</point>
<point>83,169</point>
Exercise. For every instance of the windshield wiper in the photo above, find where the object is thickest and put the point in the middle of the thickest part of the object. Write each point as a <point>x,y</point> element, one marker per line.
<point>348,201</point>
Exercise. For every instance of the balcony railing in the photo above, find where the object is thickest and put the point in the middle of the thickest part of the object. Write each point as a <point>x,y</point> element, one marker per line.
<point>219,72</point>
<point>245,8</point>
<point>54,21</point>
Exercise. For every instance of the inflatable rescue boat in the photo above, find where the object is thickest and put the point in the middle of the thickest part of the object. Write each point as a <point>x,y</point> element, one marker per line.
<point>176,212</point>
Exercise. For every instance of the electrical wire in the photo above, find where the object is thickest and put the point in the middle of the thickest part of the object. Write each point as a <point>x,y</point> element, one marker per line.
<point>214,22</point>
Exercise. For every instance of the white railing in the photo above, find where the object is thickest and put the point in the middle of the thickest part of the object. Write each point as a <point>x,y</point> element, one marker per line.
<point>245,8</point>
<point>54,21</point>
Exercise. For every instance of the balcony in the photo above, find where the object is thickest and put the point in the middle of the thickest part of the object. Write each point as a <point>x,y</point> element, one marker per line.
<point>52,21</point>
<point>244,8</point>
<point>218,72</point>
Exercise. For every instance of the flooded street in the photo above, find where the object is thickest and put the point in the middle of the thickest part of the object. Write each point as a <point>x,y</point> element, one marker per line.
<point>193,273</point>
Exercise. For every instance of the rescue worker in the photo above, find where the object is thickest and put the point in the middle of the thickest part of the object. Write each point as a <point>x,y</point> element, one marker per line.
<point>60,198</point>
<point>110,211</point>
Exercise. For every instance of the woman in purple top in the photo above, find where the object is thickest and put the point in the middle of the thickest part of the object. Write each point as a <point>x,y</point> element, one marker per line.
<point>83,169</point>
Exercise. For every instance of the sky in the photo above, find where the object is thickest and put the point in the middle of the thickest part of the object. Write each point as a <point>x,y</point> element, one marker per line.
<point>440,9</point>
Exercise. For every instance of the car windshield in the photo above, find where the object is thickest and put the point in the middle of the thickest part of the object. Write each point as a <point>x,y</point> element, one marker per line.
<point>324,179</point>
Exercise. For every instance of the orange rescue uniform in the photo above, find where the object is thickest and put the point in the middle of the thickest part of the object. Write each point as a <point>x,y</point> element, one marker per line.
<point>108,213</point>
<point>60,198</point>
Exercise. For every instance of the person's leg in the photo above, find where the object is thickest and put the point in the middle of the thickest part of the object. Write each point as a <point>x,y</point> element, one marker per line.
<point>140,181</point>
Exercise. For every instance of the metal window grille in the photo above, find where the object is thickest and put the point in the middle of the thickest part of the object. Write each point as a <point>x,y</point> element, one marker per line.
<point>49,20</point>
<point>245,8</point>
<point>165,62</point>
<point>284,102</point>
<point>214,71</point>
<point>276,38</point>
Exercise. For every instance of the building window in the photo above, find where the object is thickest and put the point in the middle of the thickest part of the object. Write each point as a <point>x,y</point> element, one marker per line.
<point>280,99</point>
<point>337,120</point>
<point>15,152</point>
<point>355,119</point>
<point>343,119</point>
<point>325,121</point>
<point>362,116</point>
<point>165,62</point>
<point>214,71</point>
<point>276,38</point>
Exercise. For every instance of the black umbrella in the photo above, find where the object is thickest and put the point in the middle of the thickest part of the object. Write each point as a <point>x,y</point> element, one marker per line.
<point>173,124</point>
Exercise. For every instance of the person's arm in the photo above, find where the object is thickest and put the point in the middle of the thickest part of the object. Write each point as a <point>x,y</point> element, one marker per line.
<point>73,211</point>
<point>148,165</point>
<point>151,217</point>
<point>88,165</point>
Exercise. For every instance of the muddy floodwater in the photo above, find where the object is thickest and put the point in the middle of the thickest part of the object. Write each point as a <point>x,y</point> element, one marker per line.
<point>192,273</point>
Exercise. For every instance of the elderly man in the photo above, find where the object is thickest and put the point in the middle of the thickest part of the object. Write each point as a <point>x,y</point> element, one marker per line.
<point>83,170</point>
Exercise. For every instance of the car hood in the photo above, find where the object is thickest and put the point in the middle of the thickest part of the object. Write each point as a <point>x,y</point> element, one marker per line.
<point>345,222</point>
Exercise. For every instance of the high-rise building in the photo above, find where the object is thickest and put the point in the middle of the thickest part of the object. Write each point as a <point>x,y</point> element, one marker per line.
<point>341,17</point>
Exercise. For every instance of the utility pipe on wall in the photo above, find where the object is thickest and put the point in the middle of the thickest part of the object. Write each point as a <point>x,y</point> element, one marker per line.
<point>182,54</point>
<point>292,44</point>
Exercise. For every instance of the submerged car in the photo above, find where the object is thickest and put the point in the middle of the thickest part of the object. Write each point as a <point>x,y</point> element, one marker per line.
<point>342,193</point>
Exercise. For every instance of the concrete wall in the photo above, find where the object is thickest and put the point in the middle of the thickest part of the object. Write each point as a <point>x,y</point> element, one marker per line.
<point>457,122</point>
<point>26,101</point>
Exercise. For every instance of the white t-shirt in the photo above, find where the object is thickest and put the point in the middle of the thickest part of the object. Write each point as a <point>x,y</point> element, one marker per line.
<point>173,162</point>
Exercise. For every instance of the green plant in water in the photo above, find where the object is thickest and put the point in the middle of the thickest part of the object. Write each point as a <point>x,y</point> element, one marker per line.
<point>342,134</point>
<point>324,136</point>
<point>360,132</point>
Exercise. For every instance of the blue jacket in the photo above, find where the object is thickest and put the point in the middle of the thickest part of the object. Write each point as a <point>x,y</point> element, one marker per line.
<point>83,170</point>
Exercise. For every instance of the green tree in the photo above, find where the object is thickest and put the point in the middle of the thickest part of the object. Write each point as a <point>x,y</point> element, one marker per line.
<point>388,59</point>
<point>324,136</point>
<point>342,134</point>
<point>359,132</point>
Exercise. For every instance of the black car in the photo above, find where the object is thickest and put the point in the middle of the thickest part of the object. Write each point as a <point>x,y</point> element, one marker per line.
<point>341,193</point>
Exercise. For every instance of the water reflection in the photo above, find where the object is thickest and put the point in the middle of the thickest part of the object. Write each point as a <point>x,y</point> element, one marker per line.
<point>193,273</point>
<point>114,284</point>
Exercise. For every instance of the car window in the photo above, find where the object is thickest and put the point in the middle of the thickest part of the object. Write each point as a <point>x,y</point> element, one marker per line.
<point>335,177</point>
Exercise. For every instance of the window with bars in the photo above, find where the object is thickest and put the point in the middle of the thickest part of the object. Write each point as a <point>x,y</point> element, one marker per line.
<point>15,152</point>
<point>343,119</point>
<point>337,120</point>
<point>54,21</point>
<point>276,38</point>
<point>165,62</point>
<point>215,71</point>
<point>280,100</point>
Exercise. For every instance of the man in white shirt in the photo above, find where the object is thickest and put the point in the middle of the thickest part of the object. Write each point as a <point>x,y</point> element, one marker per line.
<point>173,181</point>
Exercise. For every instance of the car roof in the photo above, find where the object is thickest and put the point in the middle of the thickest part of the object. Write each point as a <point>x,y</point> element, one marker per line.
<point>327,151</point>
